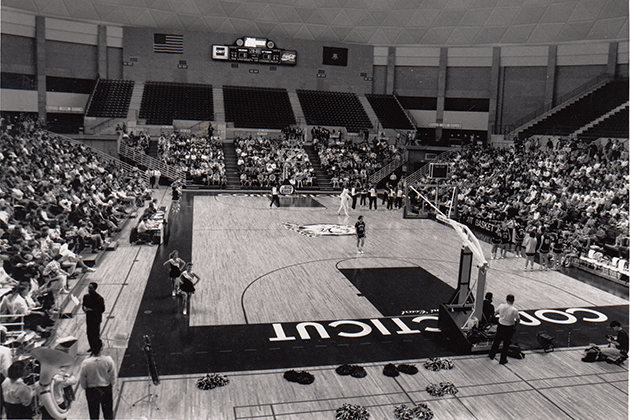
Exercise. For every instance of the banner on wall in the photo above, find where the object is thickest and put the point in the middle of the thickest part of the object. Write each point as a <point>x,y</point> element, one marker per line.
<point>335,56</point>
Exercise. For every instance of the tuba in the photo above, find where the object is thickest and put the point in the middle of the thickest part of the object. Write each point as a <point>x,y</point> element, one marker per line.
<point>55,377</point>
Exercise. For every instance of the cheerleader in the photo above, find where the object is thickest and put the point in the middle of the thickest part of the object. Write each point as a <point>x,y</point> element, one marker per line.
<point>176,264</point>
<point>187,282</point>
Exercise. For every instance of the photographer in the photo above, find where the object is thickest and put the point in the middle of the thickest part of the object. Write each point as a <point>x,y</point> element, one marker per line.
<point>617,350</point>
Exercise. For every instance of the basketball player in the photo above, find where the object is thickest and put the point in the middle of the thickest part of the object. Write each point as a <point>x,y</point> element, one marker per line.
<point>360,228</point>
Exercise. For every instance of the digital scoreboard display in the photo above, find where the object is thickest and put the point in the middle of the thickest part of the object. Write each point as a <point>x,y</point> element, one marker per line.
<point>262,52</point>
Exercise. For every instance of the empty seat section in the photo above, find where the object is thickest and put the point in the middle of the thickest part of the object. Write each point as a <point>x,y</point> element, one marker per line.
<point>389,112</point>
<point>256,107</point>
<point>581,112</point>
<point>111,98</point>
<point>337,109</point>
<point>615,126</point>
<point>163,102</point>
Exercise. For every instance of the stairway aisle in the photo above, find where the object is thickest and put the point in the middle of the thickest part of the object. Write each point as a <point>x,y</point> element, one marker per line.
<point>153,148</point>
<point>231,168</point>
<point>322,180</point>
<point>135,101</point>
<point>370,112</point>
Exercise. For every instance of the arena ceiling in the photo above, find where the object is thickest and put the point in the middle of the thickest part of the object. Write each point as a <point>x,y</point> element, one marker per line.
<point>373,22</point>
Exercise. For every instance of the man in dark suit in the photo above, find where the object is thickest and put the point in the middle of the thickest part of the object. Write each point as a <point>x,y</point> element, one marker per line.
<point>93,306</point>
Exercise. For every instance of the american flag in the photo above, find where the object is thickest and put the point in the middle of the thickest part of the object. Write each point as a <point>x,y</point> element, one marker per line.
<point>168,44</point>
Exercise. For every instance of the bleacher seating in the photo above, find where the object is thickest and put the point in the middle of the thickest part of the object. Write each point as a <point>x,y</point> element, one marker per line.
<point>389,112</point>
<point>615,126</point>
<point>581,112</point>
<point>334,109</point>
<point>256,107</point>
<point>111,99</point>
<point>162,102</point>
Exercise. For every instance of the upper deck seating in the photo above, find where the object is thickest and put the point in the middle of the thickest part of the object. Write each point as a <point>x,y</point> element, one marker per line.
<point>334,109</point>
<point>257,107</point>
<point>163,102</point>
<point>111,99</point>
<point>389,112</point>
<point>581,112</point>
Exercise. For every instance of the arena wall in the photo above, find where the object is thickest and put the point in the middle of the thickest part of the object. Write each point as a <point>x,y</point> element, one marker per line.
<point>18,54</point>
<point>523,91</point>
<point>66,59</point>
<point>201,68</point>
<point>529,76</point>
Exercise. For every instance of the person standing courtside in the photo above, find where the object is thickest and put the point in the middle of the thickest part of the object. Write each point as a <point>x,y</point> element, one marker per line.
<point>17,395</point>
<point>508,319</point>
<point>97,376</point>
<point>275,198</point>
<point>93,306</point>
<point>373,197</point>
<point>6,360</point>
<point>354,193</point>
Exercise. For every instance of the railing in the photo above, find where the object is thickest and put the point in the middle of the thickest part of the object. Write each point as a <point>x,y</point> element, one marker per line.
<point>406,114</point>
<point>149,162</point>
<point>575,93</point>
<point>100,153</point>
<point>14,323</point>
<point>89,102</point>
<point>106,124</point>
<point>377,176</point>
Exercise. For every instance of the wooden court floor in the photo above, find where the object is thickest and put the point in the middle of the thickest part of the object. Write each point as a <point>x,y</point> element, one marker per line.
<point>256,270</point>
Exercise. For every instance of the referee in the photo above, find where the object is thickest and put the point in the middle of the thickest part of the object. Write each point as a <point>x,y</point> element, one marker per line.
<point>508,319</point>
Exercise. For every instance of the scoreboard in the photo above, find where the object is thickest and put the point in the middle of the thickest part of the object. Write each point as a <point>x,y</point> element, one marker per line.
<point>254,50</point>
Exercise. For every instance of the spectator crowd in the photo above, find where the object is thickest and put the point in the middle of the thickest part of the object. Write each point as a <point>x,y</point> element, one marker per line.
<point>347,162</point>
<point>573,195</point>
<point>263,162</point>
<point>201,158</point>
<point>57,198</point>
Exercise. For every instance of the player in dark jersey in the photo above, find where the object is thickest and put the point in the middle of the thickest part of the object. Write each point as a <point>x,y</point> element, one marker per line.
<point>544,249</point>
<point>360,228</point>
<point>506,239</point>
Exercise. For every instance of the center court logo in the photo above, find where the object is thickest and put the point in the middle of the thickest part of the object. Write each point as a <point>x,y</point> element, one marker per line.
<point>321,229</point>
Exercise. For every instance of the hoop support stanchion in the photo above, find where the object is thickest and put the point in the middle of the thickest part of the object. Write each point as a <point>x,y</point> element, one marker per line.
<point>469,241</point>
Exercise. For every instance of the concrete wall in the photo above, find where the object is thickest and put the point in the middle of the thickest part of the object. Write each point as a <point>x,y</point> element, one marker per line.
<point>416,81</point>
<point>18,100</point>
<point>65,59</point>
<point>523,91</point>
<point>468,120</point>
<point>572,77</point>
<point>467,82</point>
<point>18,54</point>
<point>114,63</point>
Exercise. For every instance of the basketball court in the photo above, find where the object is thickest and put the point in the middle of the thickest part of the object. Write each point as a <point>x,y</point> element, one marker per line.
<point>285,288</point>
